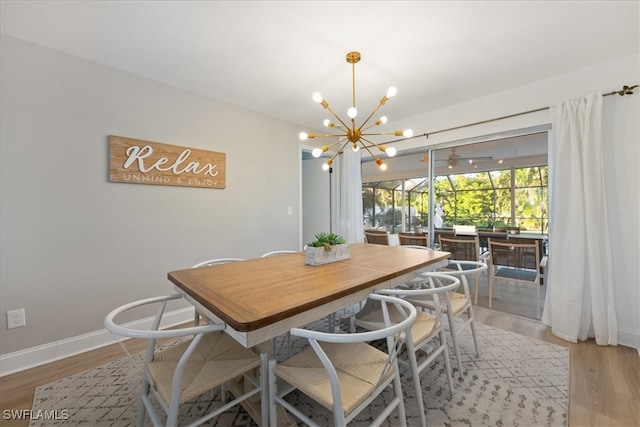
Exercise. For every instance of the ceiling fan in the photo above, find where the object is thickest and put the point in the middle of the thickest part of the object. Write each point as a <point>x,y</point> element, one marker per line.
<point>454,159</point>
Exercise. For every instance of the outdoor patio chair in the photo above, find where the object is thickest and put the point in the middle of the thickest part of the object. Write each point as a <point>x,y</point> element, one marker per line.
<point>413,239</point>
<point>463,248</point>
<point>378,237</point>
<point>516,261</point>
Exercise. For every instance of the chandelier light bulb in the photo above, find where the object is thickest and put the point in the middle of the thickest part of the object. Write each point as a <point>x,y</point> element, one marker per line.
<point>391,92</point>
<point>355,147</point>
<point>327,123</point>
<point>382,165</point>
<point>316,152</point>
<point>303,136</point>
<point>317,97</point>
<point>391,151</point>
<point>352,112</point>
<point>408,133</point>
<point>383,120</point>
<point>326,166</point>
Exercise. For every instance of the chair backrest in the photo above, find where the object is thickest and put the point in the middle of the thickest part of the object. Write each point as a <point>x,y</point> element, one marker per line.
<point>514,253</point>
<point>153,333</point>
<point>464,270</point>
<point>413,239</point>
<point>461,247</point>
<point>274,253</point>
<point>216,261</point>
<point>378,237</point>
<point>435,285</point>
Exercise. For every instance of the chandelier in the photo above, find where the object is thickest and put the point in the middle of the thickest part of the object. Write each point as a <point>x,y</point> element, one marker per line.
<point>347,132</point>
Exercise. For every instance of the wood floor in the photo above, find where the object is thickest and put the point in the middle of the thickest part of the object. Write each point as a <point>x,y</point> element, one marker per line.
<point>604,381</point>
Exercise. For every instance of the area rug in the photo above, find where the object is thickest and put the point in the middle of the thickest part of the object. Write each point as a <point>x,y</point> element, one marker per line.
<point>514,381</point>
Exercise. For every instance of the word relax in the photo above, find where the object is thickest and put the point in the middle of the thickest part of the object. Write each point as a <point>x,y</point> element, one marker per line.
<point>135,153</point>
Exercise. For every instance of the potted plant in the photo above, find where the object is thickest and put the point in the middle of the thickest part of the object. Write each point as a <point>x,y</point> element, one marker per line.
<point>326,248</point>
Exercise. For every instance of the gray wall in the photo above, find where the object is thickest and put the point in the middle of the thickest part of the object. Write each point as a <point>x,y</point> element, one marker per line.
<point>74,245</point>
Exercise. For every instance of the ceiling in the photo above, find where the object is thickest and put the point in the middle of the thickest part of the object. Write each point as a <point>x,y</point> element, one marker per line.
<point>271,56</point>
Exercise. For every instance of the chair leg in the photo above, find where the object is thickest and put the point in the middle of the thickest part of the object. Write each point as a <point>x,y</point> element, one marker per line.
<point>490,290</point>
<point>265,388</point>
<point>537,300</point>
<point>413,362</point>
<point>273,409</point>
<point>476,286</point>
<point>473,329</point>
<point>456,346</point>
<point>141,408</point>
<point>397,389</point>
<point>447,363</point>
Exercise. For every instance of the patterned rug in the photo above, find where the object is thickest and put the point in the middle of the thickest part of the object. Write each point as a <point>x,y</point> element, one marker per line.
<point>514,381</point>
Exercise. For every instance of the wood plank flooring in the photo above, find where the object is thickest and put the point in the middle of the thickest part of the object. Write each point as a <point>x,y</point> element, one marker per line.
<point>604,381</point>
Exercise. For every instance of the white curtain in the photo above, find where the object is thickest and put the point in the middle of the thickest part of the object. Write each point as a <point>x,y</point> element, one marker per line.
<point>579,300</point>
<point>346,195</point>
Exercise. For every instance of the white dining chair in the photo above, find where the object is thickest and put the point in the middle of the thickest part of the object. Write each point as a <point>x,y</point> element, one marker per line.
<point>343,372</point>
<point>187,369</point>
<point>459,303</point>
<point>427,329</point>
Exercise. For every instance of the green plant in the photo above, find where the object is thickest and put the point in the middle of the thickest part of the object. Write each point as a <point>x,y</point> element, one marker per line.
<point>326,240</point>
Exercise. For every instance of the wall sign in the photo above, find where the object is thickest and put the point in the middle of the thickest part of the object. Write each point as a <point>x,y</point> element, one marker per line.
<point>134,161</point>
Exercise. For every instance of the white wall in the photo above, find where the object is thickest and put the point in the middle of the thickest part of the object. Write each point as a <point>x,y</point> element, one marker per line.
<point>621,128</point>
<point>74,245</point>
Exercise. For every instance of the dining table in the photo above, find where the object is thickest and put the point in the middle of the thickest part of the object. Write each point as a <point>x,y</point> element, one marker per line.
<point>262,298</point>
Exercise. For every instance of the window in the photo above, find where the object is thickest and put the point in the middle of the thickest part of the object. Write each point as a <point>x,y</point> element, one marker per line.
<point>509,197</point>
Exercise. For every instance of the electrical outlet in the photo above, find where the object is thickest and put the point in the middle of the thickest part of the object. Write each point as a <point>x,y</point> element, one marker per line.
<point>16,318</point>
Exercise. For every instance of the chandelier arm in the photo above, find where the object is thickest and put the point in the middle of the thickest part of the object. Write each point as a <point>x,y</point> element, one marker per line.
<point>369,127</point>
<point>337,142</point>
<point>367,148</point>
<point>371,144</point>
<point>375,110</point>
<point>339,151</point>
<point>383,133</point>
<point>326,135</point>
<point>328,108</point>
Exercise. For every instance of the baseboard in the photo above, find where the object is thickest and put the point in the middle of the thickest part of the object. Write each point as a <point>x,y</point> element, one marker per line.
<point>629,339</point>
<point>12,363</point>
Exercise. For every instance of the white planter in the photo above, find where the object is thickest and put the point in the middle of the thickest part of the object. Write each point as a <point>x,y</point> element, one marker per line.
<point>319,256</point>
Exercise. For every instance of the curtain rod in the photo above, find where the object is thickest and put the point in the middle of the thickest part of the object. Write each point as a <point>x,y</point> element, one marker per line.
<point>626,90</point>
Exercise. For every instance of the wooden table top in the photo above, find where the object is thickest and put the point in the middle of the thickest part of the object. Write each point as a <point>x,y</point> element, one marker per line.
<point>251,294</point>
